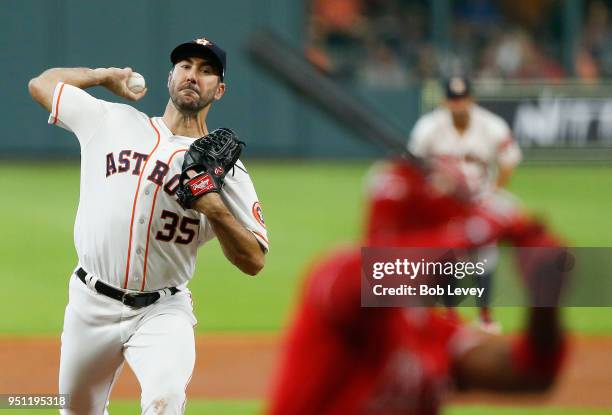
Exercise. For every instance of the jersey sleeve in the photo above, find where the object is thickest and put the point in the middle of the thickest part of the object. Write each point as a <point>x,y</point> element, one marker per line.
<point>76,111</point>
<point>418,143</point>
<point>240,197</point>
<point>508,151</point>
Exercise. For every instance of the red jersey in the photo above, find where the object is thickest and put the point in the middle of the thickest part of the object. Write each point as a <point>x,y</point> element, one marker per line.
<point>343,359</point>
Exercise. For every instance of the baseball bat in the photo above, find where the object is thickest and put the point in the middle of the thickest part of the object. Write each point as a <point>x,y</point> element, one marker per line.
<point>289,66</point>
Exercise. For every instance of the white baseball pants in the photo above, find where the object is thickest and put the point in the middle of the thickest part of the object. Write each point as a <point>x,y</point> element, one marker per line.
<point>101,333</point>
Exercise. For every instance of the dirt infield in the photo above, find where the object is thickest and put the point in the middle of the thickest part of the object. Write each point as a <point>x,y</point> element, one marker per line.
<point>239,366</point>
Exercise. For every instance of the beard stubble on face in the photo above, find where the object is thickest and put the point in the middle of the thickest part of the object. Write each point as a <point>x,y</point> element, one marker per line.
<point>191,106</point>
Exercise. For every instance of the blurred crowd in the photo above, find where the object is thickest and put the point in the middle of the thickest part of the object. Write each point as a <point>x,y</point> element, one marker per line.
<point>390,43</point>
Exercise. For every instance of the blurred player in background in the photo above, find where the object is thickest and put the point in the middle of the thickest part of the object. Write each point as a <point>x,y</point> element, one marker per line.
<point>479,144</point>
<point>344,359</point>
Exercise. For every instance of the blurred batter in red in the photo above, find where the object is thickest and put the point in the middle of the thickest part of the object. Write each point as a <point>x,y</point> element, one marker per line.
<point>341,358</point>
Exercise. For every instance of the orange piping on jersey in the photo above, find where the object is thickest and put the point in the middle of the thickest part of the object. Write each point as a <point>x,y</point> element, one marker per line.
<point>59,95</point>
<point>144,273</point>
<point>261,236</point>
<point>129,252</point>
<point>258,217</point>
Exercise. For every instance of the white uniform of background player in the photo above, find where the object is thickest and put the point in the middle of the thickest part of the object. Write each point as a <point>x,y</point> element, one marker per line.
<point>131,233</point>
<point>474,140</point>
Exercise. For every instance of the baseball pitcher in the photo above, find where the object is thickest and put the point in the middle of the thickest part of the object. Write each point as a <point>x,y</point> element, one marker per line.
<point>152,191</point>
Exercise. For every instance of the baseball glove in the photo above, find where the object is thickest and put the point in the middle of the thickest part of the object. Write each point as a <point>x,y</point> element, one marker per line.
<point>206,163</point>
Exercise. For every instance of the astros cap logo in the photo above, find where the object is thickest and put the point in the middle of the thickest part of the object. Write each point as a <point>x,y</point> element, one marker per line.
<point>457,86</point>
<point>203,41</point>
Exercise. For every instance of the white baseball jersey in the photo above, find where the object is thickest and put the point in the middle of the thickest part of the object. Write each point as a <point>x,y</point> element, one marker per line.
<point>479,151</point>
<point>130,231</point>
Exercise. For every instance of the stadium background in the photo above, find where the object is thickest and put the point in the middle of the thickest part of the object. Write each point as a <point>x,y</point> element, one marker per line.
<point>534,57</point>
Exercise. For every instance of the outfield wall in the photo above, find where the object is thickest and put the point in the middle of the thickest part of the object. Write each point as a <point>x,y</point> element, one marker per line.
<point>40,34</point>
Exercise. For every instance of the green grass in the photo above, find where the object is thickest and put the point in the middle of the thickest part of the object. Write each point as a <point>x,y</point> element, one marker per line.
<point>492,410</point>
<point>222,407</point>
<point>126,407</point>
<point>575,200</point>
<point>308,207</point>
<point>255,407</point>
<point>195,407</point>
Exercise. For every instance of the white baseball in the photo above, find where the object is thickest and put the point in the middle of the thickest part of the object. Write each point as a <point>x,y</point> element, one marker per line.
<point>136,83</point>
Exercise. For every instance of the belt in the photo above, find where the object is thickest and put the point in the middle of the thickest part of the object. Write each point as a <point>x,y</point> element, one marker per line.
<point>137,300</point>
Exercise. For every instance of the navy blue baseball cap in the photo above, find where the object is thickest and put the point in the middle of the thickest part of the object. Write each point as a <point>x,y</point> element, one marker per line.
<point>200,47</point>
<point>457,87</point>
